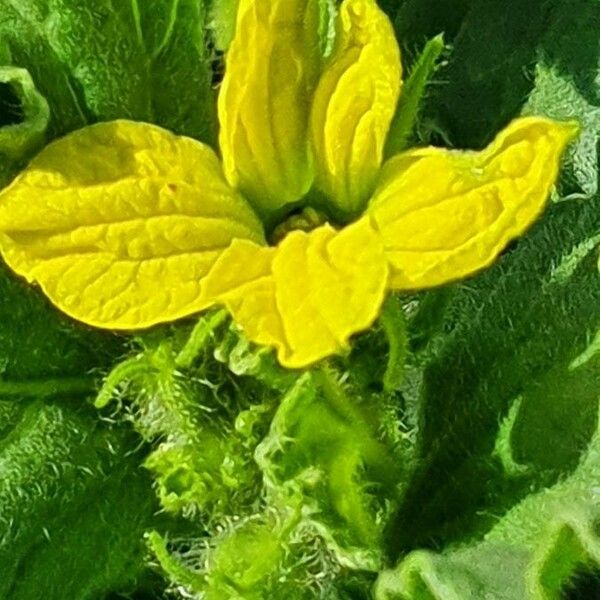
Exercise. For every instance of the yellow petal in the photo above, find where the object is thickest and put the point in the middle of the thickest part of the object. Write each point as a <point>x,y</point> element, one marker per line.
<point>354,104</point>
<point>120,221</point>
<point>270,73</point>
<point>308,295</point>
<point>445,214</point>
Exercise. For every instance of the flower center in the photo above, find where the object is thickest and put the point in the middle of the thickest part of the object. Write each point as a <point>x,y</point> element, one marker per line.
<point>306,219</point>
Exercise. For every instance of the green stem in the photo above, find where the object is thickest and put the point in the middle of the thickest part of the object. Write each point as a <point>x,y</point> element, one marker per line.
<point>393,323</point>
<point>335,395</point>
<point>46,387</point>
<point>363,420</point>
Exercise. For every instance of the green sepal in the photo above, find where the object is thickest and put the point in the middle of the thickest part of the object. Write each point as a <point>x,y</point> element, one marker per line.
<point>405,120</point>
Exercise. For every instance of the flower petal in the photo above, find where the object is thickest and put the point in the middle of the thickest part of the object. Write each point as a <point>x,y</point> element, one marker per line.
<point>120,221</point>
<point>445,214</point>
<point>308,295</point>
<point>354,104</point>
<point>270,74</point>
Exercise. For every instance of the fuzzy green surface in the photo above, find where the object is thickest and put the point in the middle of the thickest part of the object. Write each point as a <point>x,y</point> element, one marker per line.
<point>454,454</point>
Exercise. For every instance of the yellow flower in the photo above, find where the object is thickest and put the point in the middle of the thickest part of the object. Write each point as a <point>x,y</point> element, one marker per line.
<point>125,225</point>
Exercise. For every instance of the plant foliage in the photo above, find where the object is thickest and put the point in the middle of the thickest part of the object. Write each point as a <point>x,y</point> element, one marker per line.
<point>453,454</point>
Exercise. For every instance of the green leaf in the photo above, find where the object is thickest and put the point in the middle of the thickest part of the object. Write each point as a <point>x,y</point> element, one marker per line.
<point>567,86</point>
<point>530,554</point>
<point>327,448</point>
<point>37,344</point>
<point>203,465</point>
<point>265,464</point>
<point>114,59</point>
<point>504,369</point>
<point>479,91</point>
<point>71,498</point>
<point>482,89</point>
<point>570,44</point>
<point>557,96</point>
<point>560,406</point>
<point>222,22</point>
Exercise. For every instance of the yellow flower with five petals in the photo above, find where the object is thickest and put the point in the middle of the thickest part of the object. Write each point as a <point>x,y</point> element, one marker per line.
<point>125,225</point>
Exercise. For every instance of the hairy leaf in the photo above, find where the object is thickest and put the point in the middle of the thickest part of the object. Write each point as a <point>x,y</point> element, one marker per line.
<point>70,500</point>
<point>530,554</point>
<point>481,90</point>
<point>557,96</point>
<point>112,59</point>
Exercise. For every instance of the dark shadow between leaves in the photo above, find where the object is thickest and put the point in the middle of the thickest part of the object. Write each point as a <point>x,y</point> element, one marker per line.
<point>11,108</point>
